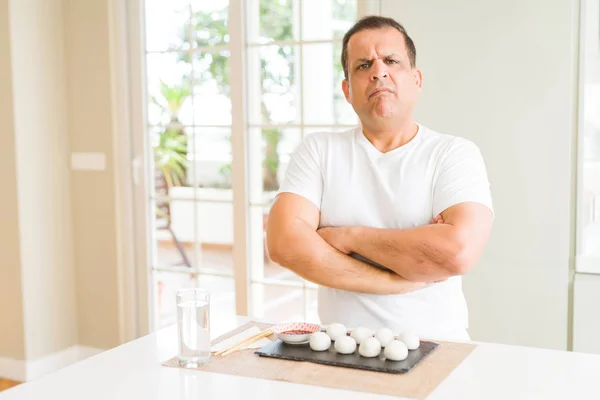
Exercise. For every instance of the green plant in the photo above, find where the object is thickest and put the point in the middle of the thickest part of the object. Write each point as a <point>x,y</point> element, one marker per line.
<point>271,161</point>
<point>171,151</point>
<point>170,156</point>
<point>172,98</point>
<point>225,172</point>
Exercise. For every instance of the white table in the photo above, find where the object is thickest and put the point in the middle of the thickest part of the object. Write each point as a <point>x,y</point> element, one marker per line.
<point>134,371</point>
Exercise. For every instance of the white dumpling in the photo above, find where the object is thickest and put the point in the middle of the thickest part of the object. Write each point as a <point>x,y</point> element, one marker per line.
<point>345,345</point>
<point>320,341</point>
<point>336,330</point>
<point>361,333</point>
<point>370,347</point>
<point>410,339</point>
<point>384,335</point>
<point>396,351</point>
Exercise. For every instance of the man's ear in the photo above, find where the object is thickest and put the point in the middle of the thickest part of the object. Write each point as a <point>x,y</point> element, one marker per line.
<point>346,89</point>
<point>418,77</point>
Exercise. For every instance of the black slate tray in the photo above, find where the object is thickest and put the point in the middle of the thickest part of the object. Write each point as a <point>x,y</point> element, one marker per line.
<point>302,352</point>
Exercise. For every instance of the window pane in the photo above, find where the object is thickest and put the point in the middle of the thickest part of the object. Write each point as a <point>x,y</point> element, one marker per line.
<point>222,301</point>
<point>165,288</point>
<point>269,151</point>
<point>343,113</point>
<point>272,20</point>
<point>175,236</point>
<point>222,297</point>
<point>199,185</point>
<point>170,248</point>
<point>322,75</point>
<point>327,19</point>
<point>274,303</point>
<point>589,213</point>
<point>213,227</point>
<point>170,170</point>
<point>210,157</point>
<point>169,89</point>
<point>273,78</point>
<point>261,266</point>
<point>212,94</point>
<point>167,25</point>
<point>317,88</point>
<point>170,146</point>
<point>217,258</point>
<point>210,22</point>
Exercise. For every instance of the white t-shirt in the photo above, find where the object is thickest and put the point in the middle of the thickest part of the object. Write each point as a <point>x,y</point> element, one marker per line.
<point>354,184</point>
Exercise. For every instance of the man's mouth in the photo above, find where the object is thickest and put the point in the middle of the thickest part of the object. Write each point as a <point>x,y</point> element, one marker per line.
<point>380,91</point>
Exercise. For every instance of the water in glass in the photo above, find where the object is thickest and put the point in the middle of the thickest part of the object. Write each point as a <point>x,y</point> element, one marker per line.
<point>194,332</point>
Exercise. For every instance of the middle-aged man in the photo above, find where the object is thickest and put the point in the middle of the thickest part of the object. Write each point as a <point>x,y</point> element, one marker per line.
<point>391,191</point>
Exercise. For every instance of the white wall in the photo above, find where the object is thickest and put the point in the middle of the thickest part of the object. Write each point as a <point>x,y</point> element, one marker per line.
<point>59,286</point>
<point>87,27</point>
<point>12,345</point>
<point>502,74</point>
<point>43,176</point>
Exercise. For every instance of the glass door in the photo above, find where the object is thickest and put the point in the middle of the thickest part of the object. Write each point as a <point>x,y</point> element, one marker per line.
<point>230,89</point>
<point>294,80</point>
<point>190,194</point>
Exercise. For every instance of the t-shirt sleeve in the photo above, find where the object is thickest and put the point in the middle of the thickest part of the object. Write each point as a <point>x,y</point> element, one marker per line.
<point>303,175</point>
<point>462,177</point>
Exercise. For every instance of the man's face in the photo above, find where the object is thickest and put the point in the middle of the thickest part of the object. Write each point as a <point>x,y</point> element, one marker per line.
<point>381,84</point>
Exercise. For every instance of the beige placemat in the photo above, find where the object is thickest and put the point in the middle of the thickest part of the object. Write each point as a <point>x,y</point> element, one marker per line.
<point>417,384</point>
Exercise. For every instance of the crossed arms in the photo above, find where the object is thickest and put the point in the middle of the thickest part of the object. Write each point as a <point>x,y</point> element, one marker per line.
<point>414,257</point>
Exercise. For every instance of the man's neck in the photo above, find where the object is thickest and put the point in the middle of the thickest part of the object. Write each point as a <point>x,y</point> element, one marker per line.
<point>386,138</point>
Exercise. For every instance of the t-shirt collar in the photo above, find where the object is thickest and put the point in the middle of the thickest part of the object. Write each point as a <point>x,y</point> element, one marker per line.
<point>362,139</point>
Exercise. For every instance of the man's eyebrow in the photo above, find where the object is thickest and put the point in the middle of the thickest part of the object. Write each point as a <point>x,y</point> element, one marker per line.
<point>363,60</point>
<point>367,60</point>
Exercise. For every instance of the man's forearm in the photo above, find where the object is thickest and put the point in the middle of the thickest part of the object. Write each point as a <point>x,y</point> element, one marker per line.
<point>427,253</point>
<point>303,251</point>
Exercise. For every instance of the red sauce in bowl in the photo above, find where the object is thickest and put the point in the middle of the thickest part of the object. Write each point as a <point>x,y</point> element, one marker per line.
<point>296,332</point>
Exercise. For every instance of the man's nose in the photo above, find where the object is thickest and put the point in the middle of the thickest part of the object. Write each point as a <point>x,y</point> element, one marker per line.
<point>379,71</point>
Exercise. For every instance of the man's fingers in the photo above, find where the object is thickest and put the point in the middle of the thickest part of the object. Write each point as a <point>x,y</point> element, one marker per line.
<point>438,219</point>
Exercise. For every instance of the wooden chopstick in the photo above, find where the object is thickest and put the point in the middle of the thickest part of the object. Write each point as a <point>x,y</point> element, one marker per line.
<point>254,338</point>
<point>244,343</point>
<point>238,343</point>
<point>249,341</point>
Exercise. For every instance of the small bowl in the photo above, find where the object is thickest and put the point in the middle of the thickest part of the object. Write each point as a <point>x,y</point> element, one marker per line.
<point>304,330</point>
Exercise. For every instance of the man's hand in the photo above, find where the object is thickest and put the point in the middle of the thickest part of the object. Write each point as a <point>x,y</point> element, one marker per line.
<point>335,236</point>
<point>438,219</point>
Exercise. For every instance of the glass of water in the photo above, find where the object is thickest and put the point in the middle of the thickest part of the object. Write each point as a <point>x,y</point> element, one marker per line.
<point>193,314</point>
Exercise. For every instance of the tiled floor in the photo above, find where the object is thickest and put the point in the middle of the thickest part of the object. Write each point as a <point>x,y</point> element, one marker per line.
<point>273,303</point>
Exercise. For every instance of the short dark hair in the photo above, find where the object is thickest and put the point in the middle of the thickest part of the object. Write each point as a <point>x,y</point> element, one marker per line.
<point>377,22</point>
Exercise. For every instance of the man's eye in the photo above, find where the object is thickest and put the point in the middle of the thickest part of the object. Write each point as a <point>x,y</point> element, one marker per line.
<point>363,66</point>
<point>390,61</point>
